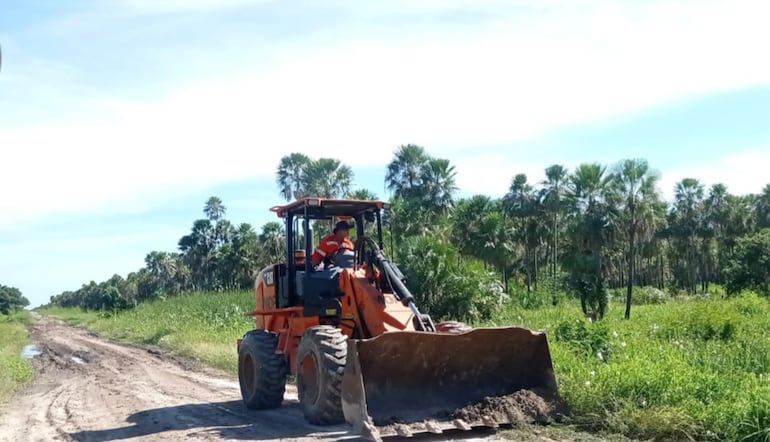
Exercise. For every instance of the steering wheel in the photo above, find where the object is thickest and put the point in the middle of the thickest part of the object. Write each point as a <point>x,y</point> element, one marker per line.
<point>366,249</point>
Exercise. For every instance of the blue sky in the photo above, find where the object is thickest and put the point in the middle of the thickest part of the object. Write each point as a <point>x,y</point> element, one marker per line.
<point>119,119</point>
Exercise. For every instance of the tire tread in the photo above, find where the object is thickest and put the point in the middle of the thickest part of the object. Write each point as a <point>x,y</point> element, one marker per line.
<point>271,369</point>
<point>332,345</point>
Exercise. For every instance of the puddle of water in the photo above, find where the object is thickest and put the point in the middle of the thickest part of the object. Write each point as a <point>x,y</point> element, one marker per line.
<point>30,351</point>
<point>77,360</point>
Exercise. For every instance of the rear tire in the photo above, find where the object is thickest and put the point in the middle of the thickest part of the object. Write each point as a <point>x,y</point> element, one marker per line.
<point>320,364</point>
<point>261,371</point>
<point>453,327</point>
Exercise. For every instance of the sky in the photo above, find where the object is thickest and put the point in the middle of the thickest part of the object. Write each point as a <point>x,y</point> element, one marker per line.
<point>118,119</point>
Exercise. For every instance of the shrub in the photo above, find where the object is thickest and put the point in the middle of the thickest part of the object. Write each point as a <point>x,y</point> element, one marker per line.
<point>645,295</point>
<point>586,338</point>
<point>530,300</point>
<point>648,295</point>
<point>703,322</point>
<point>749,267</point>
<point>447,286</point>
<point>749,303</point>
<point>717,290</point>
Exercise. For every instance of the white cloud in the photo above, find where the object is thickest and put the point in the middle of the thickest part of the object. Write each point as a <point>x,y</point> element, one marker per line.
<point>742,173</point>
<point>491,174</point>
<point>175,6</point>
<point>567,63</point>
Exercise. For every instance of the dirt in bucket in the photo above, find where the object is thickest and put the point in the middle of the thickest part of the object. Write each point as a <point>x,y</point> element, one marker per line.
<point>523,406</point>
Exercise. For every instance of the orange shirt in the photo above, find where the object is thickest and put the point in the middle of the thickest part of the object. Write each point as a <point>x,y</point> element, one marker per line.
<point>328,245</point>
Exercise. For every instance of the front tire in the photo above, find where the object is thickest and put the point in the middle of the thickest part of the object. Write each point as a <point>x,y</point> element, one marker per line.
<point>261,371</point>
<point>320,364</point>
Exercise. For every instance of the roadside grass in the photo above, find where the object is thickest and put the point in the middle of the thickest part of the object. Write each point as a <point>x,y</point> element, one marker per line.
<point>556,433</point>
<point>200,326</point>
<point>682,370</point>
<point>14,370</point>
<point>677,370</point>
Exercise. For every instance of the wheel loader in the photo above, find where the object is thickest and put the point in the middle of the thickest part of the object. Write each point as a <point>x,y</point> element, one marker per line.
<point>361,350</point>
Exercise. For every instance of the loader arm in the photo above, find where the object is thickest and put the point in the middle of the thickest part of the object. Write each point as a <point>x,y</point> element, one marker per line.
<point>391,279</point>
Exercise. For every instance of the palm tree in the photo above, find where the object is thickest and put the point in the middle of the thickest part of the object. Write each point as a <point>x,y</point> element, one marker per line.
<point>636,185</point>
<point>224,231</point>
<point>522,204</point>
<point>467,224</point>
<point>161,264</point>
<point>588,185</point>
<point>291,175</point>
<point>328,178</point>
<point>361,194</point>
<point>182,273</point>
<point>519,195</point>
<point>214,209</point>
<point>272,243</point>
<point>742,219</point>
<point>649,239</point>
<point>163,268</point>
<point>762,207</point>
<point>590,192</point>
<point>197,247</point>
<point>404,172</point>
<point>686,223</point>
<point>240,258</point>
<point>553,191</point>
<point>716,216</point>
<point>438,178</point>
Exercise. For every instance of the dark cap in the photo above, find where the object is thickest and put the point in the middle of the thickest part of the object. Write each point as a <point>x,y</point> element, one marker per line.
<point>344,225</point>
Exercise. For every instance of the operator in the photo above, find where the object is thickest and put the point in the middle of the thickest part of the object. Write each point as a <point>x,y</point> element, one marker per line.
<point>330,244</point>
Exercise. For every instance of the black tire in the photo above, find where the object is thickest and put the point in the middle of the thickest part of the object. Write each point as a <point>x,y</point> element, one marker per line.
<point>320,364</point>
<point>261,372</point>
<point>453,327</point>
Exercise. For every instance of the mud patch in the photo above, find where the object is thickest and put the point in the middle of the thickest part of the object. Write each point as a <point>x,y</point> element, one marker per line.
<point>57,357</point>
<point>30,351</point>
<point>521,407</point>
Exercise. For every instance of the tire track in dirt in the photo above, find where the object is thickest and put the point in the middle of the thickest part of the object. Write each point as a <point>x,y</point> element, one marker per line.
<point>90,389</point>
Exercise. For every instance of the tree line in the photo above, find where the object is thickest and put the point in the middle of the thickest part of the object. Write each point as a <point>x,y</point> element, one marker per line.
<point>11,299</point>
<point>584,232</point>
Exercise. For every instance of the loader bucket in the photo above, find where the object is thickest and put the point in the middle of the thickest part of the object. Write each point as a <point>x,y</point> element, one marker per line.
<point>401,383</point>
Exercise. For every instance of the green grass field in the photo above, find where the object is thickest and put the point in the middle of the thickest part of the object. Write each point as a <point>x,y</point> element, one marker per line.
<point>200,326</point>
<point>14,370</point>
<point>684,369</point>
<point>697,369</point>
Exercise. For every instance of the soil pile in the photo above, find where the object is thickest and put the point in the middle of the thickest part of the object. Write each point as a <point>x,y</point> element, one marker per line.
<point>523,406</point>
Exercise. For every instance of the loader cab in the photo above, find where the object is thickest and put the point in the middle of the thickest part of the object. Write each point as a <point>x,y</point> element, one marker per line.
<point>298,282</point>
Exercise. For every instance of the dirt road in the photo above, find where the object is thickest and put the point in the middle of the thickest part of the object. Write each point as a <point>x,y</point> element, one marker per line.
<point>90,389</point>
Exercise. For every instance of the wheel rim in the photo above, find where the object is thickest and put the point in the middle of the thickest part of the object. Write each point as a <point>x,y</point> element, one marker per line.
<point>309,379</point>
<point>248,378</point>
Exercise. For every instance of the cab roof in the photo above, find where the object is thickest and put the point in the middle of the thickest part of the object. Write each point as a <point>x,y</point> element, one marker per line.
<point>323,208</point>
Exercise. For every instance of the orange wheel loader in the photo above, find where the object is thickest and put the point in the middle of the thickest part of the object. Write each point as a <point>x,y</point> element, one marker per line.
<point>361,350</point>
